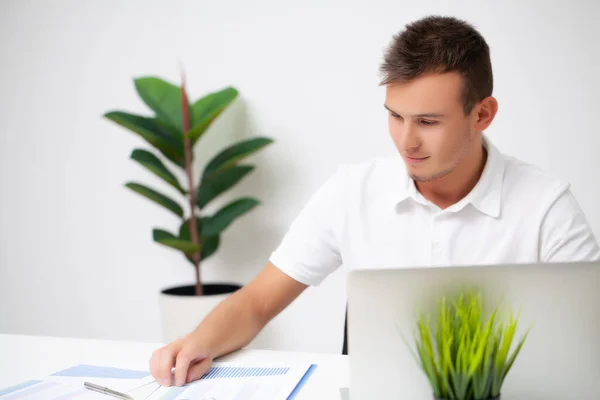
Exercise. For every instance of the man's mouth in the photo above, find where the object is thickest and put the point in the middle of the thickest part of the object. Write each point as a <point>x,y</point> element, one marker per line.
<point>416,159</point>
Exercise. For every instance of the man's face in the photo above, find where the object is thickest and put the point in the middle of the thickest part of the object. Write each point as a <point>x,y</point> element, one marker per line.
<point>428,125</point>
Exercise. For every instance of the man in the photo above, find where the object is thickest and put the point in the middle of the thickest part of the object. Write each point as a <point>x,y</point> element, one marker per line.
<point>450,197</point>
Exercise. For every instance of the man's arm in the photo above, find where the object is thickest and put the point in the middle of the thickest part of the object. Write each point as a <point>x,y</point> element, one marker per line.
<point>307,254</point>
<point>565,234</point>
<point>229,327</point>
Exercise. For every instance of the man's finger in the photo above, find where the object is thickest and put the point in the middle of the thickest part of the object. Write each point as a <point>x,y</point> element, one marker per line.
<point>166,363</point>
<point>197,370</point>
<point>153,364</point>
<point>182,364</point>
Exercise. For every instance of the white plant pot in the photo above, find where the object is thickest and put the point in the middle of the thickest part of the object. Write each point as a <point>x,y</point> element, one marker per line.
<point>181,311</point>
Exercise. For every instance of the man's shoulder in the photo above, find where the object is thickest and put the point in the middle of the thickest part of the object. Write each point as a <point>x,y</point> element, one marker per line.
<point>531,179</point>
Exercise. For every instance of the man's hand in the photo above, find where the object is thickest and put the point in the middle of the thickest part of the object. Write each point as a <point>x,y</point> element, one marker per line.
<point>190,360</point>
<point>233,324</point>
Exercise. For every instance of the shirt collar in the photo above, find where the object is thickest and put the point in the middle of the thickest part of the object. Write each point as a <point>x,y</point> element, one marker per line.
<point>486,195</point>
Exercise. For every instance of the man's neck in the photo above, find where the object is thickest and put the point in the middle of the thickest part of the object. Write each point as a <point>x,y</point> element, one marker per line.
<point>453,187</point>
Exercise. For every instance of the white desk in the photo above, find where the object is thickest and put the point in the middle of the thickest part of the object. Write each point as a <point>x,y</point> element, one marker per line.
<point>30,357</point>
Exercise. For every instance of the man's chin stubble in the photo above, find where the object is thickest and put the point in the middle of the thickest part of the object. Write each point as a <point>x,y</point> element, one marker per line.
<point>424,179</point>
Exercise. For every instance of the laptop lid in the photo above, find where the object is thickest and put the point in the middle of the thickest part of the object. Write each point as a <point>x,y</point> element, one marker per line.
<point>559,304</point>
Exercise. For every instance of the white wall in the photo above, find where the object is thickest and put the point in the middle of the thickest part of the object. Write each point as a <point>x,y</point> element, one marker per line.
<point>76,255</point>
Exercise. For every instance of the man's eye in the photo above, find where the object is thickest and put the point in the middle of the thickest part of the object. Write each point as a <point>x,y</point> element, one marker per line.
<point>396,116</point>
<point>428,123</point>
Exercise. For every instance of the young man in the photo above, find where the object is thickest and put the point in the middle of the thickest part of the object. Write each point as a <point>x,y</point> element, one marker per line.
<point>449,197</point>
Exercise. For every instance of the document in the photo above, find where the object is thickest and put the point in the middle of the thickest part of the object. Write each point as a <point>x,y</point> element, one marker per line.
<point>224,381</point>
<point>242,382</point>
<point>62,389</point>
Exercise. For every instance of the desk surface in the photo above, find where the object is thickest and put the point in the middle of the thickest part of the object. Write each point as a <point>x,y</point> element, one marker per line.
<point>31,357</point>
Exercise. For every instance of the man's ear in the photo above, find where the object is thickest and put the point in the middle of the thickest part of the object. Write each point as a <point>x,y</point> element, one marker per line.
<point>486,110</point>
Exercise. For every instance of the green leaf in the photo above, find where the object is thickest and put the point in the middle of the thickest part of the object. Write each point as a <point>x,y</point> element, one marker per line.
<point>157,198</point>
<point>472,355</point>
<point>482,383</point>
<point>154,165</point>
<point>497,373</point>
<point>154,132</point>
<point>217,223</point>
<point>478,356</point>
<point>506,344</point>
<point>232,154</point>
<point>161,234</point>
<point>207,109</point>
<point>218,182</point>
<point>513,356</point>
<point>449,373</point>
<point>209,244</point>
<point>184,229</point>
<point>170,240</point>
<point>163,98</point>
<point>429,369</point>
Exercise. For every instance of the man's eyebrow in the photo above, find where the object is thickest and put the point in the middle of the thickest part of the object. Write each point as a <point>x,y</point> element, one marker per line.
<point>426,115</point>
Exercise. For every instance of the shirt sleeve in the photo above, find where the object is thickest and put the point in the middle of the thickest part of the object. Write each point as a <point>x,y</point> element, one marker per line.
<point>310,250</point>
<point>566,235</point>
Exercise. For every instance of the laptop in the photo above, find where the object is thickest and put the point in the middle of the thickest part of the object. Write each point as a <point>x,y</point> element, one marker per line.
<point>559,305</point>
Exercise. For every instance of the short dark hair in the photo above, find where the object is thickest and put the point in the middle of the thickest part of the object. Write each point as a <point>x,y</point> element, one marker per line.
<point>436,44</point>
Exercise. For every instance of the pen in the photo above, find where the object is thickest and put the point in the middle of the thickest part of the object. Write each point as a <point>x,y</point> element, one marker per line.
<point>107,391</point>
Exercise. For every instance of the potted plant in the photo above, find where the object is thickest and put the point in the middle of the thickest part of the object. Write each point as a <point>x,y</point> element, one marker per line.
<point>172,131</point>
<point>464,355</point>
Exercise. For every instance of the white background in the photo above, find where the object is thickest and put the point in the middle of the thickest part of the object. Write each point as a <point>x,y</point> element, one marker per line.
<point>76,255</point>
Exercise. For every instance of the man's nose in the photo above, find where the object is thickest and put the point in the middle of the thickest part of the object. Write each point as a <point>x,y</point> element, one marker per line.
<point>409,139</point>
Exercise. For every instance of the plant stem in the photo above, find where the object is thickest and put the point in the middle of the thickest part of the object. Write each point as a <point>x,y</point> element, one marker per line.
<point>192,192</point>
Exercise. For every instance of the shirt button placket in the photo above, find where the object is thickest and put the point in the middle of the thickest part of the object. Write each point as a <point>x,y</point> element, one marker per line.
<point>436,245</point>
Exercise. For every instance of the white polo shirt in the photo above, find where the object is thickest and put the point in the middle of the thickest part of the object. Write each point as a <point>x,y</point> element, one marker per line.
<point>370,215</point>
